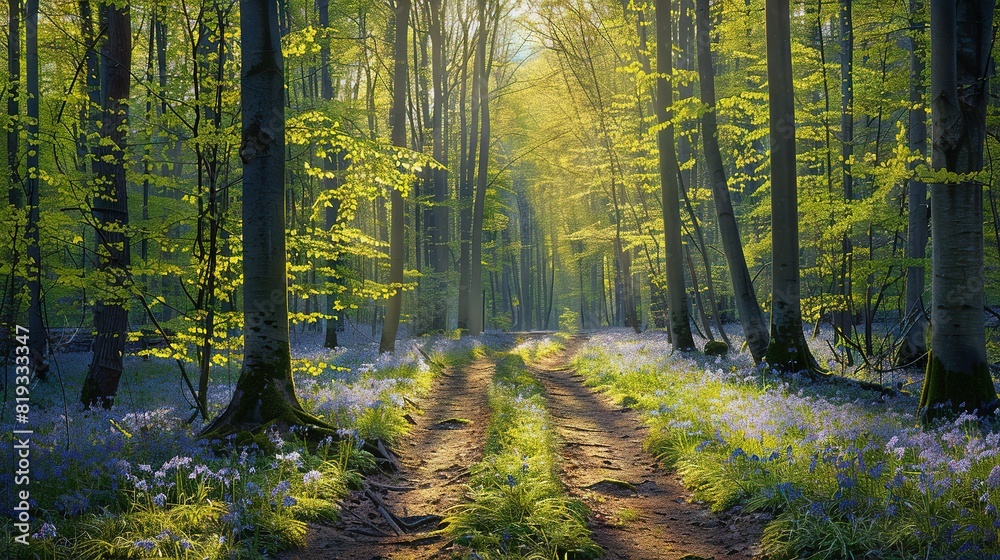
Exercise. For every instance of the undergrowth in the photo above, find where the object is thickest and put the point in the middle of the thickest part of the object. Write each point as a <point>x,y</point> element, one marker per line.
<point>517,507</point>
<point>845,473</point>
<point>532,350</point>
<point>135,482</point>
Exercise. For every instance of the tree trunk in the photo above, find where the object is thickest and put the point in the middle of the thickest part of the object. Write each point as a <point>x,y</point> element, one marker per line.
<point>36,338</point>
<point>15,194</point>
<point>440,233</point>
<point>110,210</point>
<point>958,374</point>
<point>913,350</point>
<point>751,317</point>
<point>400,78</point>
<point>210,42</point>
<point>680,324</point>
<point>265,391</point>
<point>552,278</point>
<point>844,319</point>
<point>787,349</point>
<point>331,164</point>
<point>526,296</point>
<point>465,194</point>
<point>476,319</point>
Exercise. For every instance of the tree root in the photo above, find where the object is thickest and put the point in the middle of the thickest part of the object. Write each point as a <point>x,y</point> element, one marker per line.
<point>399,525</point>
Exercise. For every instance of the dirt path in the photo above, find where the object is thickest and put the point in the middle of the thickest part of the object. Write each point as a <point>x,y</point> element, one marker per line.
<point>434,459</point>
<point>639,510</point>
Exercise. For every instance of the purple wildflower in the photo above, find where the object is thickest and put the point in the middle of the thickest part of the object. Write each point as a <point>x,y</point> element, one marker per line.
<point>45,532</point>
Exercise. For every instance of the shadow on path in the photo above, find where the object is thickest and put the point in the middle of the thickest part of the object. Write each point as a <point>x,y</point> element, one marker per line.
<point>434,460</point>
<point>638,509</point>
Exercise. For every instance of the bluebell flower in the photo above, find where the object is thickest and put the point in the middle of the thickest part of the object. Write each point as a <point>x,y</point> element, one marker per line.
<point>510,481</point>
<point>164,535</point>
<point>144,544</point>
<point>289,501</point>
<point>160,499</point>
<point>45,532</point>
<point>876,471</point>
<point>283,487</point>
<point>311,477</point>
<point>252,489</point>
<point>993,480</point>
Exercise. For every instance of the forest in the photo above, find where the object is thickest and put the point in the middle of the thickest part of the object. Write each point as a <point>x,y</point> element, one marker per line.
<point>495,279</point>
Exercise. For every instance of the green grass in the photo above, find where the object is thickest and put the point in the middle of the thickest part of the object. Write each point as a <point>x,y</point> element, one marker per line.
<point>842,474</point>
<point>517,508</point>
<point>532,350</point>
<point>243,502</point>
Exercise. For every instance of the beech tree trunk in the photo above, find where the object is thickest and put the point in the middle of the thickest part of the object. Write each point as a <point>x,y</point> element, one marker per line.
<point>476,319</point>
<point>466,194</point>
<point>787,349</point>
<point>439,234</point>
<point>958,374</point>
<point>525,296</point>
<point>331,164</point>
<point>751,317</point>
<point>400,78</point>
<point>36,327</point>
<point>913,350</point>
<point>265,391</point>
<point>110,210</point>
<point>680,324</point>
<point>16,193</point>
<point>844,318</point>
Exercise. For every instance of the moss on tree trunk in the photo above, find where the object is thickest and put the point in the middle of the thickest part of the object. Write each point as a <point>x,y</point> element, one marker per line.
<point>948,392</point>
<point>789,352</point>
<point>264,397</point>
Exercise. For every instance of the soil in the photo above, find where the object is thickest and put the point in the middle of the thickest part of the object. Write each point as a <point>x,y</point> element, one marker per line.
<point>638,509</point>
<point>433,467</point>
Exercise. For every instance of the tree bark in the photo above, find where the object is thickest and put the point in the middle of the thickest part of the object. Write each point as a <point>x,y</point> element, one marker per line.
<point>913,350</point>
<point>110,211</point>
<point>680,324</point>
<point>400,78</point>
<point>787,349</point>
<point>333,163</point>
<point>440,233</point>
<point>15,192</point>
<point>466,193</point>
<point>845,320</point>
<point>36,327</point>
<point>751,317</point>
<point>265,391</point>
<point>958,375</point>
<point>525,221</point>
<point>15,195</point>
<point>476,319</point>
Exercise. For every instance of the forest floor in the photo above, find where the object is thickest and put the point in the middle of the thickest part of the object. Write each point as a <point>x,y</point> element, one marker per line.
<point>638,510</point>
<point>433,466</point>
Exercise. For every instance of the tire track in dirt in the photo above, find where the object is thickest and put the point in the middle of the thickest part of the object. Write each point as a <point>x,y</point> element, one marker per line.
<point>433,459</point>
<point>639,511</point>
